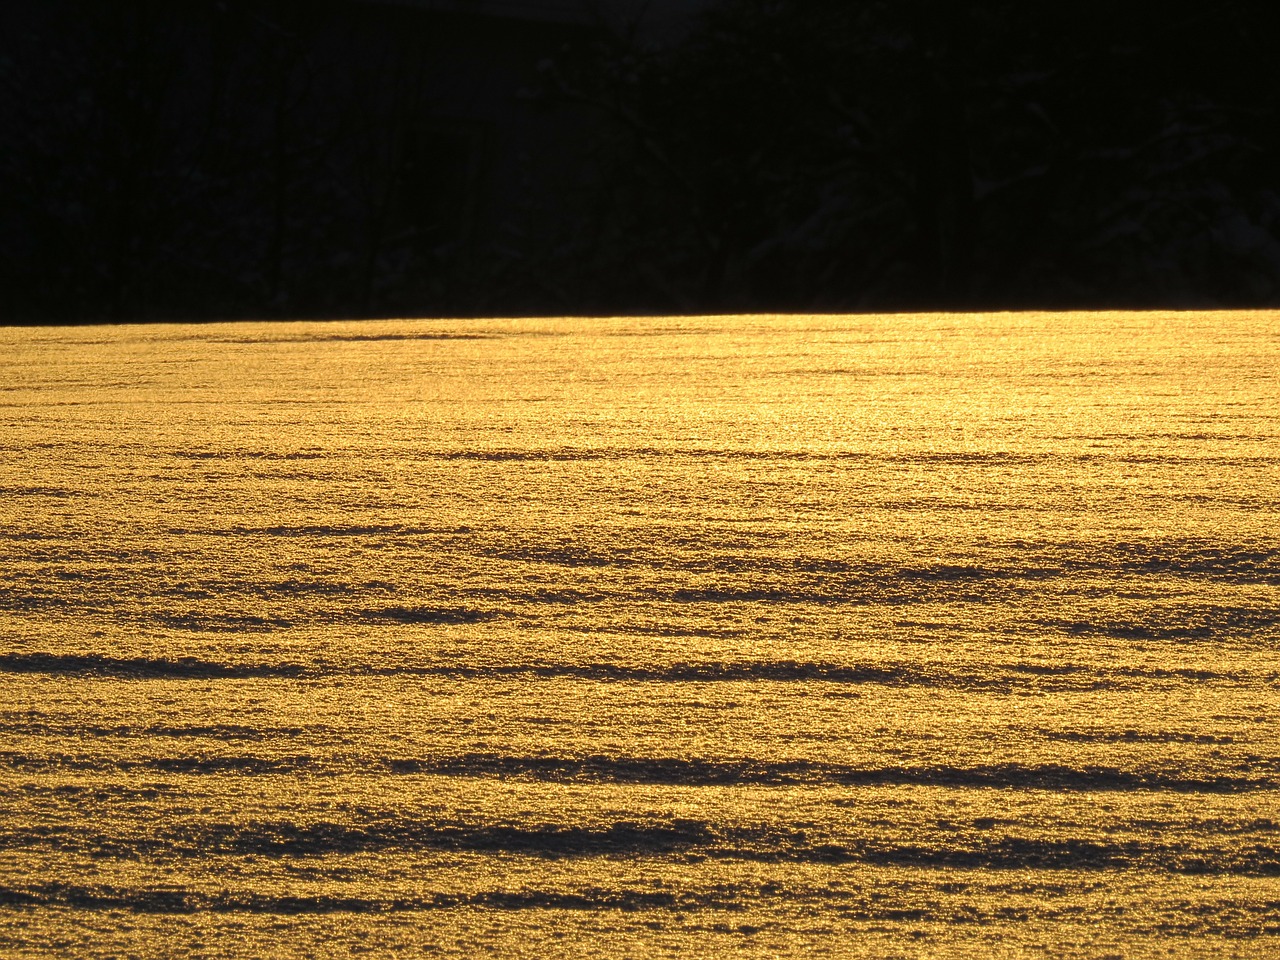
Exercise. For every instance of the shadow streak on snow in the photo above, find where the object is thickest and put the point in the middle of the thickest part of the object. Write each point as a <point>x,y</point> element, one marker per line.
<point>141,668</point>
<point>360,338</point>
<point>990,677</point>
<point>674,771</point>
<point>669,771</point>
<point>669,839</point>
<point>170,900</point>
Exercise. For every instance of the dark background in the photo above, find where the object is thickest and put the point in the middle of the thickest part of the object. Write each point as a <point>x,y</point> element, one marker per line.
<point>338,158</point>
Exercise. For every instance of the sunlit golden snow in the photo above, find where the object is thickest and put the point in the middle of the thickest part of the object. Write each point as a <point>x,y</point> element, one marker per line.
<point>945,635</point>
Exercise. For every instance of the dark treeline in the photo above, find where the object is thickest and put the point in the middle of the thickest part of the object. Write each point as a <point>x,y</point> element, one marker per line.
<point>263,158</point>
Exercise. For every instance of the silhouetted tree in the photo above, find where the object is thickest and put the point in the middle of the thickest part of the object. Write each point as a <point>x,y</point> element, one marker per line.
<point>929,153</point>
<point>268,157</point>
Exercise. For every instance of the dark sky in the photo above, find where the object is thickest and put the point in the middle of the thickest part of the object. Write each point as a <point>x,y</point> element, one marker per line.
<point>261,158</point>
